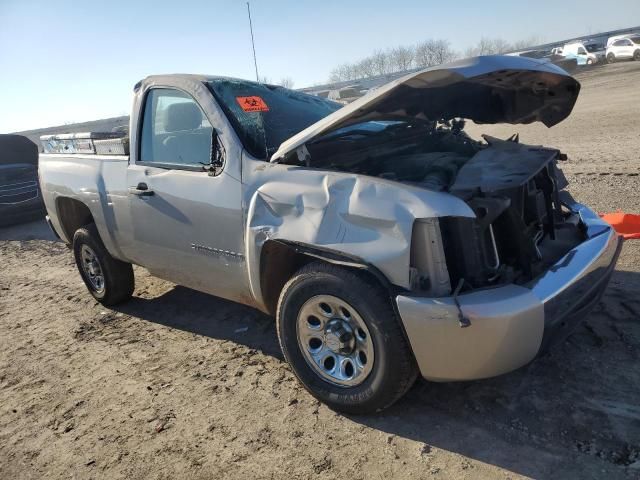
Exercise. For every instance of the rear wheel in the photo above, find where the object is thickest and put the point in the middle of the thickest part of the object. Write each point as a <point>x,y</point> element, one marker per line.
<point>340,334</point>
<point>611,58</point>
<point>109,280</point>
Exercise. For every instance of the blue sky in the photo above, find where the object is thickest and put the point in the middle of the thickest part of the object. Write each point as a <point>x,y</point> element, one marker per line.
<point>65,61</point>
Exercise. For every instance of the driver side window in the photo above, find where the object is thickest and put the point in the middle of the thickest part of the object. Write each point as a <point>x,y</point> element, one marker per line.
<point>175,130</point>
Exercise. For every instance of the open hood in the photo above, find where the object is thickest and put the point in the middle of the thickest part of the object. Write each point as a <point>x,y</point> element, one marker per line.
<point>490,89</point>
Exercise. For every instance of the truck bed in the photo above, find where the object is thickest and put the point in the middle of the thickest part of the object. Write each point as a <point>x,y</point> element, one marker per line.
<point>98,181</point>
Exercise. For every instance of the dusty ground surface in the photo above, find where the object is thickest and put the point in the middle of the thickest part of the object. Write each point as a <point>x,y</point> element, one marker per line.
<point>177,384</point>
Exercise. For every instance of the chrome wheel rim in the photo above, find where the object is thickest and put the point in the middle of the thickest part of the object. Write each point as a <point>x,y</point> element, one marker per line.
<point>92,269</point>
<point>335,340</point>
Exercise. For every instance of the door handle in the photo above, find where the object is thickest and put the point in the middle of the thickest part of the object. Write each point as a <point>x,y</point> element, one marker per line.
<point>141,190</point>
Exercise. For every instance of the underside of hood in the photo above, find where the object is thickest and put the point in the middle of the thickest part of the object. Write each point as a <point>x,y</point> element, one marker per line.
<point>489,89</point>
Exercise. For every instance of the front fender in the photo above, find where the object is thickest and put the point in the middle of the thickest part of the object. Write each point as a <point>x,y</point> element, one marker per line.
<point>361,216</point>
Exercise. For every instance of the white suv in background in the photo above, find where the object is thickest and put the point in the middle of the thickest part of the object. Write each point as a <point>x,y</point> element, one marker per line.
<point>624,48</point>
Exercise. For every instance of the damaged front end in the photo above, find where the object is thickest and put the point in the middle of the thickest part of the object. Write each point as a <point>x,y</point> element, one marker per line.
<point>412,131</point>
<point>521,227</point>
<point>488,235</point>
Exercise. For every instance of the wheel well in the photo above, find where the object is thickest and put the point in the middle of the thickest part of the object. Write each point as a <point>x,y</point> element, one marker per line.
<point>72,214</point>
<point>280,260</point>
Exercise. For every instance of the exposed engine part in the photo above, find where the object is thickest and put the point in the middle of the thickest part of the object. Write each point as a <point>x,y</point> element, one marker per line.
<point>429,268</point>
<point>495,248</point>
<point>526,224</point>
<point>463,320</point>
<point>470,244</point>
<point>536,240</point>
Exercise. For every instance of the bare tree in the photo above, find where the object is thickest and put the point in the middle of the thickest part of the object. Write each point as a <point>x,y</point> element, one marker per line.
<point>286,82</point>
<point>335,75</point>
<point>501,46</point>
<point>401,58</point>
<point>339,73</point>
<point>485,46</point>
<point>264,79</point>
<point>380,62</point>
<point>491,46</point>
<point>346,71</point>
<point>424,54</point>
<point>365,68</point>
<point>528,42</point>
<point>442,52</point>
<point>433,52</point>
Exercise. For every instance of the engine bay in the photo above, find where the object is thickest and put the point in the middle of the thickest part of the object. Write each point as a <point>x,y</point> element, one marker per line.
<point>521,227</point>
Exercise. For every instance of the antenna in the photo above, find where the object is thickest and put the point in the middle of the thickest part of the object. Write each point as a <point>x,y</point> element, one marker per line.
<point>255,62</point>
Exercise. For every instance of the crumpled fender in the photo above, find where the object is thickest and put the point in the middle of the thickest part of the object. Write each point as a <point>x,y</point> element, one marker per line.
<point>365,217</point>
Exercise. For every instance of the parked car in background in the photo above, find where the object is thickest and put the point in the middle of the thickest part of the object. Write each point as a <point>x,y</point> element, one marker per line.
<point>566,63</point>
<point>578,51</point>
<point>596,49</point>
<point>20,198</point>
<point>624,49</point>
<point>613,38</point>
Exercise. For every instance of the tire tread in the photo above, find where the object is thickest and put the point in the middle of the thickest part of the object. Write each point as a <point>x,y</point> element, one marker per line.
<point>366,286</point>
<point>119,278</point>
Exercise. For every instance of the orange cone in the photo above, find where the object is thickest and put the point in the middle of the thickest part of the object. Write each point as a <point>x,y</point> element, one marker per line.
<point>626,224</point>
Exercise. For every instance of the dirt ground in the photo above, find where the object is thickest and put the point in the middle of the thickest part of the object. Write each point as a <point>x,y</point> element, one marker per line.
<point>178,384</point>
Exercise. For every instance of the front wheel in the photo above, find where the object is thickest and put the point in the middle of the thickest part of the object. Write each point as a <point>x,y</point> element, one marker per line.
<point>340,334</point>
<point>636,54</point>
<point>109,280</point>
<point>611,58</point>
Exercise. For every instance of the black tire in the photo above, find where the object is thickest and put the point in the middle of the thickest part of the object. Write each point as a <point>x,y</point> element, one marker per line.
<point>611,58</point>
<point>394,369</point>
<point>636,54</point>
<point>118,281</point>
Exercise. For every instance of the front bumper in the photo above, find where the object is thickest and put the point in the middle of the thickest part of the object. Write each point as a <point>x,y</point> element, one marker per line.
<point>512,323</point>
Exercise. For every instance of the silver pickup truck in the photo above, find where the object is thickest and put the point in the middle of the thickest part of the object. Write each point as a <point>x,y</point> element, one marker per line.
<point>385,240</point>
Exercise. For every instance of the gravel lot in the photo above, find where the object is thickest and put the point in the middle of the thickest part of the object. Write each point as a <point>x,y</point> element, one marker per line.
<point>178,384</point>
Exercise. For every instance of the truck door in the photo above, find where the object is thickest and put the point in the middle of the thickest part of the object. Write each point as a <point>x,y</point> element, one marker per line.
<point>187,223</point>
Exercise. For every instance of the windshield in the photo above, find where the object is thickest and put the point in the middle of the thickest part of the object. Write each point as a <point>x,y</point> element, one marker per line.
<point>635,40</point>
<point>264,116</point>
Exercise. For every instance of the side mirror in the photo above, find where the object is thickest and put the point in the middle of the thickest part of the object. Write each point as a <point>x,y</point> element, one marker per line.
<point>217,155</point>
